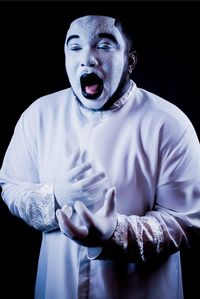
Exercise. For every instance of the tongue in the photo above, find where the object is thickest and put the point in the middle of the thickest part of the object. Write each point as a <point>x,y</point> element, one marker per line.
<point>92,89</point>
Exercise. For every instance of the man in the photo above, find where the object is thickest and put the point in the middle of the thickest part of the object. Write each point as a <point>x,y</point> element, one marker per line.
<point>117,165</point>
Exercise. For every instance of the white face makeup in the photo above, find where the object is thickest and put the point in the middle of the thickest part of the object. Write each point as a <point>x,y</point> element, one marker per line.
<point>96,58</point>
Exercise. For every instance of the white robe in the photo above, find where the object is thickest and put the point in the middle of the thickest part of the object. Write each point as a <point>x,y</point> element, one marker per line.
<point>149,150</point>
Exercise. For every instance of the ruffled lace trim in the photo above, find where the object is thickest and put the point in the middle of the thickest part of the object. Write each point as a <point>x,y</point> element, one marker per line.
<point>139,235</point>
<point>36,206</point>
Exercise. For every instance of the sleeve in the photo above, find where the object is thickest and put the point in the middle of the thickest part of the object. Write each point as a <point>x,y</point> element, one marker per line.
<point>22,191</point>
<point>176,214</point>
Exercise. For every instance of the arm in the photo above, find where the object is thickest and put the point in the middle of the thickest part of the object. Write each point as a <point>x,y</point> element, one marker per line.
<point>34,201</point>
<point>163,230</point>
<point>22,191</point>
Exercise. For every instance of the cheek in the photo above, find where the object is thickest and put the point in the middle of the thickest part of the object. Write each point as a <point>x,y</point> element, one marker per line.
<point>70,69</point>
<point>114,69</point>
<point>69,66</point>
<point>70,63</point>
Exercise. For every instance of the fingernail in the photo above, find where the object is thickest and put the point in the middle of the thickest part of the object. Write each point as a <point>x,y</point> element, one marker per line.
<point>67,210</point>
<point>77,204</point>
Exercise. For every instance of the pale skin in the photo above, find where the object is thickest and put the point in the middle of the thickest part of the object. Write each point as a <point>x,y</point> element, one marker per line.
<point>93,45</point>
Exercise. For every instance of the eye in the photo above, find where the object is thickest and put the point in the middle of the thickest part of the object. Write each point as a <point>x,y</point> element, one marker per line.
<point>74,47</point>
<point>105,46</point>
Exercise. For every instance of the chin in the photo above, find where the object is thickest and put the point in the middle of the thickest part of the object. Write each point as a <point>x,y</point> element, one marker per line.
<point>94,104</point>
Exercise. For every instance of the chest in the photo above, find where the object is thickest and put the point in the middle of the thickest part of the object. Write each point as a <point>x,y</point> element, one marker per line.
<point>115,146</point>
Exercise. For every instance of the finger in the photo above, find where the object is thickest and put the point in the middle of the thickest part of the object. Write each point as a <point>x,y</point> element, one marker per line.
<point>67,210</point>
<point>86,216</point>
<point>93,179</point>
<point>83,156</point>
<point>95,191</point>
<point>69,228</point>
<point>78,170</point>
<point>73,159</point>
<point>110,200</point>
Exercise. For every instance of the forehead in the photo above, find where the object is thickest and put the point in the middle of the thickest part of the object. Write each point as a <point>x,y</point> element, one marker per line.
<point>91,26</point>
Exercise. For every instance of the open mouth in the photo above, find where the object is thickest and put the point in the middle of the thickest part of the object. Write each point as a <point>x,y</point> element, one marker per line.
<point>91,85</point>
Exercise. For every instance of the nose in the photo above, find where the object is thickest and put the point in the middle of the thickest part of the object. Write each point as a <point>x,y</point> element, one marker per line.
<point>89,59</point>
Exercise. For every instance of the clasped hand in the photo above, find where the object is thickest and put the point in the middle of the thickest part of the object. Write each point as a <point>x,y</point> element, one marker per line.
<point>97,227</point>
<point>79,181</point>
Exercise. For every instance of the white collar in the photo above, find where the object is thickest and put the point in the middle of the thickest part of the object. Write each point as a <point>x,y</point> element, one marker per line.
<point>121,101</point>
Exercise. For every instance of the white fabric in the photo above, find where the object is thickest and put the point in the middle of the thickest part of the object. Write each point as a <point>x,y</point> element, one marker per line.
<point>149,151</point>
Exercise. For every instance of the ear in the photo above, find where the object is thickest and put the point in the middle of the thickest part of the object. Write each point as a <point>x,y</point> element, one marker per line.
<point>132,61</point>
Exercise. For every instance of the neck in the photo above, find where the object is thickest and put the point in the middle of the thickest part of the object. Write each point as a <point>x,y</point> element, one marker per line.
<point>121,90</point>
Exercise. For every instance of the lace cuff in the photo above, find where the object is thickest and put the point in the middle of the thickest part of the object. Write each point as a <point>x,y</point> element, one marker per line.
<point>120,236</point>
<point>135,239</point>
<point>36,206</point>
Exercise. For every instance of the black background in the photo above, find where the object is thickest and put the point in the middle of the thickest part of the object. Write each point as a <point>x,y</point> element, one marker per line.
<point>32,36</point>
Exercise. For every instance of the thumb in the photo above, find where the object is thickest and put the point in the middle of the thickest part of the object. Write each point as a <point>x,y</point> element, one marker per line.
<point>111,205</point>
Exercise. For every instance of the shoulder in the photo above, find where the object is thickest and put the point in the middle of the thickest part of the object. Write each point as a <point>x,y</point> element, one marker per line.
<point>161,113</point>
<point>50,102</point>
<point>159,122</point>
<point>46,111</point>
<point>162,108</point>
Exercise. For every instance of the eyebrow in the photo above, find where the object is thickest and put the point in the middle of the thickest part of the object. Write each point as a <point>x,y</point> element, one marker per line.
<point>101,35</point>
<point>71,37</point>
<point>109,36</point>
